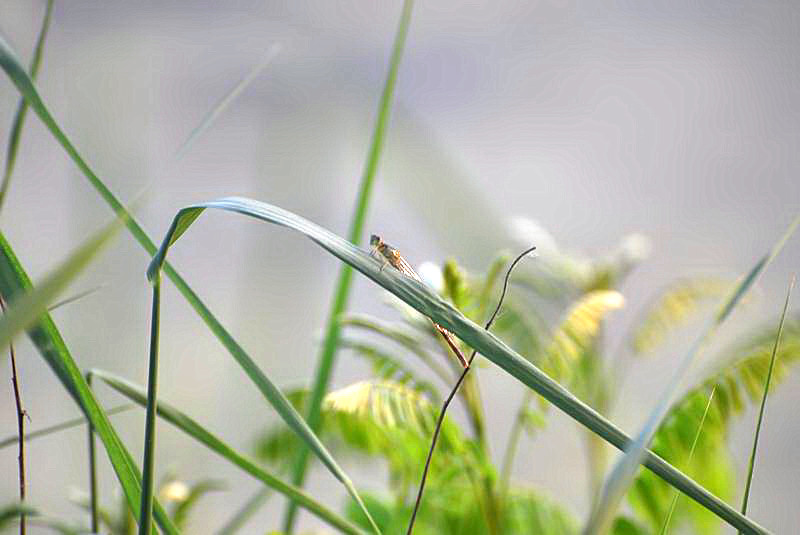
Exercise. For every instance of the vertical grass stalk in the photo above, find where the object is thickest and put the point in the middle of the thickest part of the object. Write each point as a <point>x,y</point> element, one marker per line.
<point>146,510</point>
<point>339,304</point>
<point>752,463</point>
<point>93,507</point>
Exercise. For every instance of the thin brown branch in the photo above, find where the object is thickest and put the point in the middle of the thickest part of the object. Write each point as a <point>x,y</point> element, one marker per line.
<point>21,414</point>
<point>453,392</point>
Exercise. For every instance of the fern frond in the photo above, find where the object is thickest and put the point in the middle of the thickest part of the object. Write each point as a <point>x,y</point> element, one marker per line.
<point>385,403</point>
<point>578,331</point>
<point>673,308</point>
<point>387,367</point>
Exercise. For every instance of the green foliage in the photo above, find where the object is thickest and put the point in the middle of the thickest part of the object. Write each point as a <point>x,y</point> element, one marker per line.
<point>457,509</point>
<point>673,309</point>
<point>576,335</point>
<point>739,382</point>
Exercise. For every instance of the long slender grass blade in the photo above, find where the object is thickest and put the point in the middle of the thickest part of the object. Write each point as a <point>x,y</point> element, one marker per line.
<point>69,424</point>
<point>674,502</point>
<point>751,464</point>
<point>226,101</point>
<point>22,107</point>
<point>13,68</point>
<point>25,309</point>
<point>189,426</point>
<point>47,339</point>
<point>622,474</point>
<point>423,299</point>
<point>333,328</point>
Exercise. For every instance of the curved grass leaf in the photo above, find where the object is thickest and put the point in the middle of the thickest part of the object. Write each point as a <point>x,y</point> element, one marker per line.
<point>400,336</point>
<point>624,471</point>
<point>47,339</point>
<point>186,424</point>
<point>428,303</point>
<point>22,109</point>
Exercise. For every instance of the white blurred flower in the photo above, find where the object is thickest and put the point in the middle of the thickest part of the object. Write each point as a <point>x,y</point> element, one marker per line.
<point>175,491</point>
<point>431,274</point>
<point>530,232</point>
<point>635,247</point>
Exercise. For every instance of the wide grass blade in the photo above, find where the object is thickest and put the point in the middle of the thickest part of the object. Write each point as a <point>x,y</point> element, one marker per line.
<point>751,464</point>
<point>13,68</point>
<point>622,474</point>
<point>47,339</point>
<point>423,299</point>
<point>22,107</point>
<point>333,328</point>
<point>25,309</point>
<point>186,424</point>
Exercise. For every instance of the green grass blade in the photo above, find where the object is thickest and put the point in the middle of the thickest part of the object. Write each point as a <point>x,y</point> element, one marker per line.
<point>341,294</point>
<point>148,466</point>
<point>423,299</point>
<point>622,474</point>
<point>751,464</point>
<point>238,520</point>
<point>22,107</point>
<point>226,101</point>
<point>186,424</point>
<point>674,503</point>
<point>69,424</point>
<point>11,65</point>
<point>24,310</point>
<point>47,339</point>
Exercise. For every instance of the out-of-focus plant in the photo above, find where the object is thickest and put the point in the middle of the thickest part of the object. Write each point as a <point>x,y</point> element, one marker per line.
<point>179,498</point>
<point>555,317</point>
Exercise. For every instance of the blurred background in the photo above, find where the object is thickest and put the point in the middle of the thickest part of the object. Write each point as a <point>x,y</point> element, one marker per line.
<point>591,121</point>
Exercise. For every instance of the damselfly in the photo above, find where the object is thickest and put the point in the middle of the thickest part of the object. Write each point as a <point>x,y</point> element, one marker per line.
<point>396,260</point>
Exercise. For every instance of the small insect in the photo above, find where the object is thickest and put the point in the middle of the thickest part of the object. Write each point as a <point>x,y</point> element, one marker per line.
<point>396,260</point>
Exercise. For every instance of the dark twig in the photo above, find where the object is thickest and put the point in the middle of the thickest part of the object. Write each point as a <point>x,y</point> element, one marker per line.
<point>21,414</point>
<point>453,392</point>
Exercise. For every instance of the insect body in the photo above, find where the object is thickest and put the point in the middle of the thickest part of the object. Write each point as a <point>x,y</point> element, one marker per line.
<point>396,260</point>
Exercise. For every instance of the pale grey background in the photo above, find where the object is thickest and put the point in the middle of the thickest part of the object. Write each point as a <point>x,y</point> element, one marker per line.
<point>678,120</point>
